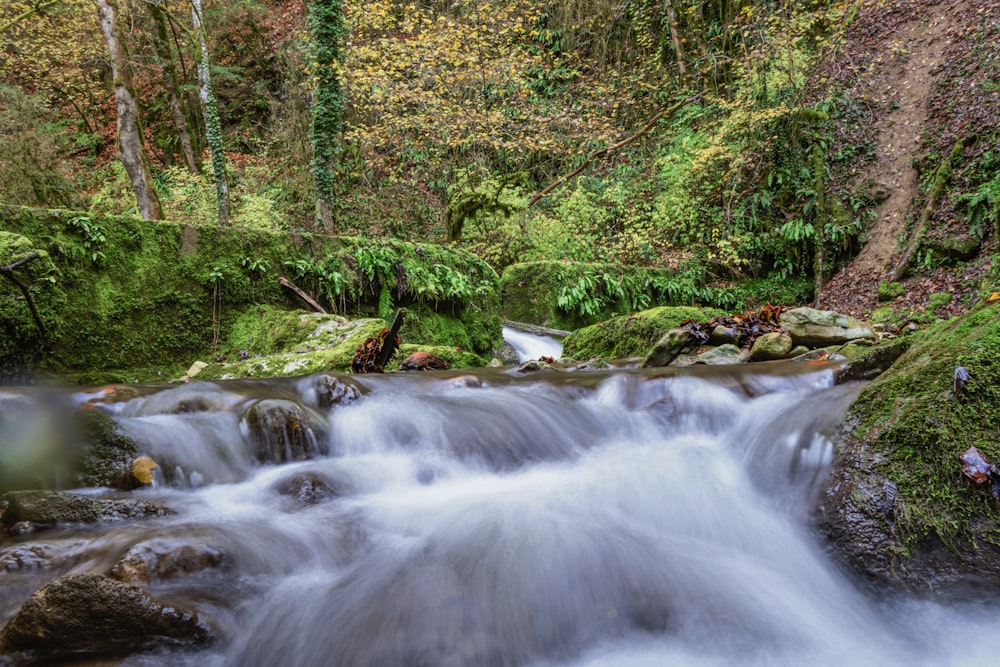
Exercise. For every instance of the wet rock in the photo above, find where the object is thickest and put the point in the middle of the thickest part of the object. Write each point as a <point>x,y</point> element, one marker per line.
<point>874,362</point>
<point>332,391</point>
<point>818,328</point>
<point>280,431</point>
<point>533,366</point>
<point>423,361</point>
<point>955,248</point>
<point>595,364</point>
<point>165,560</point>
<point>668,348</point>
<point>465,382</point>
<point>107,454</point>
<point>89,614</point>
<point>722,335</point>
<point>26,557</point>
<point>311,488</point>
<point>508,355</point>
<point>896,508</point>
<point>771,346</point>
<point>722,356</point>
<point>47,508</point>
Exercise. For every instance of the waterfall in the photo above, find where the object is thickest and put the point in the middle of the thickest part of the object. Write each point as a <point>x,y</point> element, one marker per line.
<point>610,518</point>
<point>531,346</point>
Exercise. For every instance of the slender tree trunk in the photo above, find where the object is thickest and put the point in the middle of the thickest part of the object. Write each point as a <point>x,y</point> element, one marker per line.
<point>213,126</point>
<point>129,133</point>
<point>326,21</point>
<point>676,39</point>
<point>161,41</point>
<point>818,159</point>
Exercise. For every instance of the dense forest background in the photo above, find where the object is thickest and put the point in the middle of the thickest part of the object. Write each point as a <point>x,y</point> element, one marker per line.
<point>723,138</point>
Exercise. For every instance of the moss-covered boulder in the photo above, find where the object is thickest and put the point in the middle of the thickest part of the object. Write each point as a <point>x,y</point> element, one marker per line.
<point>631,335</point>
<point>897,507</point>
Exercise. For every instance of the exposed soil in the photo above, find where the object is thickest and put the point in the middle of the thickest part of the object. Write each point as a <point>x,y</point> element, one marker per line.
<point>907,61</point>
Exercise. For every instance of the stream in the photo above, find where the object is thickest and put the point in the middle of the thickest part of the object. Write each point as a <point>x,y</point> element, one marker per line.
<point>629,518</point>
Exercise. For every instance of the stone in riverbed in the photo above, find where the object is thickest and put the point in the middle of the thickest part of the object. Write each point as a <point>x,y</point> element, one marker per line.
<point>57,507</point>
<point>160,559</point>
<point>722,356</point>
<point>281,431</point>
<point>771,346</point>
<point>668,348</point>
<point>818,328</point>
<point>81,615</point>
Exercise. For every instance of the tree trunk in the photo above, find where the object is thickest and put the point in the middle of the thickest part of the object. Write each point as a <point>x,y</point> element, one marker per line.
<point>213,126</point>
<point>326,21</point>
<point>161,41</point>
<point>675,38</point>
<point>129,133</point>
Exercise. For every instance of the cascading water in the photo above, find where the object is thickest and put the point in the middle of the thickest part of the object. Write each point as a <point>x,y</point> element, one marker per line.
<point>531,346</point>
<point>622,518</point>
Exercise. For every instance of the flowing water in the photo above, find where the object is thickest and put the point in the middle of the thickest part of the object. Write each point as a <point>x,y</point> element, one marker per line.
<point>622,518</point>
<point>531,346</point>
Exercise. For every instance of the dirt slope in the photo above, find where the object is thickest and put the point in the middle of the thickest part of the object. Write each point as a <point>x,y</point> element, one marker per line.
<point>905,60</point>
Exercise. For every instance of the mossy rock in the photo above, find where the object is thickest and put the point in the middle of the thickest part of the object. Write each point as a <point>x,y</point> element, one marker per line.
<point>326,344</point>
<point>887,291</point>
<point>107,453</point>
<point>897,508</point>
<point>631,335</point>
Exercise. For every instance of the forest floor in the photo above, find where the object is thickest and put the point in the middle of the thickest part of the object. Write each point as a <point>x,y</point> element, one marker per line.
<point>908,53</point>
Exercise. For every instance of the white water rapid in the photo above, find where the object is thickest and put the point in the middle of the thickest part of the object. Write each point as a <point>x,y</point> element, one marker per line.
<point>628,518</point>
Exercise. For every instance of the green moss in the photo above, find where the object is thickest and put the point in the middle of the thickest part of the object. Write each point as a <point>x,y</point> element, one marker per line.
<point>918,427</point>
<point>569,295</point>
<point>141,300</point>
<point>631,335</point>
<point>887,291</point>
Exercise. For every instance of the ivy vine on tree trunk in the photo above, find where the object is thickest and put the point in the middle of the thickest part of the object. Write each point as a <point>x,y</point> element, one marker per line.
<point>326,22</point>
<point>213,127</point>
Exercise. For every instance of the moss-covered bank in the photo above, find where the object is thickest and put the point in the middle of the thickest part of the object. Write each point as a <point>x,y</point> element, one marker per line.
<point>127,299</point>
<point>897,507</point>
<point>631,335</point>
<point>571,295</point>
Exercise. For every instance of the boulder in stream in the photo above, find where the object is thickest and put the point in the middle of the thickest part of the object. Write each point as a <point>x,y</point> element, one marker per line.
<point>897,508</point>
<point>163,559</point>
<point>281,431</point>
<point>48,508</point>
<point>81,615</point>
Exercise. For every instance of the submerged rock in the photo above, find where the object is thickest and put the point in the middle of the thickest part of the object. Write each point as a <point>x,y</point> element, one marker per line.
<point>311,488</point>
<point>46,508</point>
<point>160,559</point>
<point>89,614</point>
<point>331,391</point>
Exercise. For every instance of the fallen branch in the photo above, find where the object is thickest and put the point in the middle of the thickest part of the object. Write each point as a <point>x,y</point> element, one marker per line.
<point>607,150</point>
<point>391,342</point>
<point>933,197</point>
<point>8,272</point>
<point>292,287</point>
